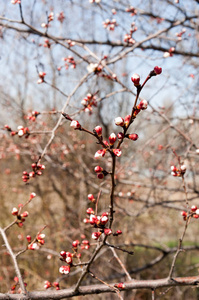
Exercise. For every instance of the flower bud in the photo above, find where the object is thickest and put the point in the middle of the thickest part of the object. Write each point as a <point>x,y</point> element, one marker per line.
<point>100,175</point>
<point>133,136</point>
<point>90,211</point>
<point>96,235</point>
<point>117,152</point>
<point>135,79</point>
<point>100,153</point>
<point>98,130</point>
<point>75,124</point>
<point>120,135</point>
<point>91,198</point>
<point>98,169</point>
<point>157,70</point>
<point>127,120</point>
<point>112,138</point>
<point>119,121</point>
<point>107,231</point>
<point>142,105</point>
<point>28,237</point>
<point>14,211</point>
<point>75,243</point>
<point>64,270</point>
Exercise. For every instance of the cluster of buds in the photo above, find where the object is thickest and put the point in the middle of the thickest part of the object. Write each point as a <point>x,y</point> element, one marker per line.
<point>131,10</point>
<point>100,172</point>
<point>48,284</point>
<point>178,172</point>
<point>47,43</point>
<point>169,53</point>
<point>69,61</point>
<point>83,245</point>
<point>17,211</point>
<point>141,106</point>
<point>33,115</point>
<point>36,170</point>
<point>51,17</point>
<point>22,131</point>
<point>179,34</point>
<point>15,285</point>
<point>128,36</point>
<point>41,77</point>
<point>61,17</point>
<point>67,257</point>
<point>96,221</point>
<point>70,43</point>
<point>37,243</point>
<point>194,212</point>
<point>88,102</point>
<point>110,24</point>
<point>21,217</point>
<point>97,68</point>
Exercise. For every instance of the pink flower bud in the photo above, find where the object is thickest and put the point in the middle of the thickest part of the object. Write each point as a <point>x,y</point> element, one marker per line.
<point>32,195</point>
<point>157,70</point>
<point>103,220</point>
<point>107,231</point>
<point>194,208</point>
<point>98,169</point>
<point>21,132</point>
<point>197,211</point>
<point>119,121</point>
<point>142,105</point>
<point>47,284</point>
<point>63,254</point>
<point>100,153</point>
<point>25,214</point>
<point>86,221</point>
<point>98,130</point>
<point>135,79</point>
<point>183,168</point>
<point>75,124</point>
<point>90,211</point>
<point>33,246</point>
<point>28,237</point>
<point>93,219</point>
<point>120,135</point>
<point>127,120</point>
<point>100,175</point>
<point>31,174</point>
<point>91,198</point>
<point>184,213</point>
<point>133,136</point>
<point>68,260</point>
<point>174,174</point>
<point>14,211</point>
<point>117,152</point>
<point>119,232</point>
<point>120,285</point>
<point>75,243</point>
<point>64,270</point>
<point>173,168</point>
<point>41,236</point>
<point>112,138</point>
<point>96,235</point>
